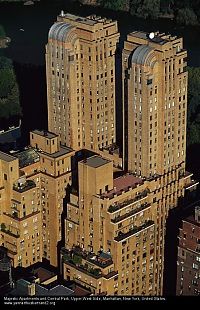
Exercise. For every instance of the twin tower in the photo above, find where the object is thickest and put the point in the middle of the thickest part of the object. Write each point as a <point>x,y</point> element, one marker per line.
<point>115,227</point>
<point>81,89</point>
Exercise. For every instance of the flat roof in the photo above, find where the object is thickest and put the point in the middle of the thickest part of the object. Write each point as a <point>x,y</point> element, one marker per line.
<point>123,183</point>
<point>27,157</point>
<point>43,274</point>
<point>191,219</point>
<point>145,35</point>
<point>45,133</point>
<point>6,157</point>
<point>88,20</point>
<point>58,290</point>
<point>63,150</point>
<point>76,18</point>
<point>95,161</point>
<point>80,291</point>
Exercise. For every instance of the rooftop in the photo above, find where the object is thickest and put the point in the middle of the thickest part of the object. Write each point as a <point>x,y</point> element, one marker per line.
<point>191,219</point>
<point>29,184</point>
<point>58,290</point>
<point>27,157</point>
<point>80,291</point>
<point>96,161</point>
<point>123,183</point>
<point>44,133</point>
<point>43,274</point>
<point>89,20</point>
<point>6,157</point>
<point>101,259</point>
<point>63,151</point>
<point>158,38</point>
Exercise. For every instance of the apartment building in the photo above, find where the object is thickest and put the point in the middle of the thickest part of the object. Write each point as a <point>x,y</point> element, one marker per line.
<point>114,230</point>
<point>33,185</point>
<point>188,261</point>
<point>80,70</point>
<point>155,103</point>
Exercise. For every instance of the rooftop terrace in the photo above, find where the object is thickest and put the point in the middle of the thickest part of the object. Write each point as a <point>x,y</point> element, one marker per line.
<point>101,260</point>
<point>27,157</point>
<point>158,37</point>
<point>89,20</point>
<point>123,183</point>
<point>29,184</point>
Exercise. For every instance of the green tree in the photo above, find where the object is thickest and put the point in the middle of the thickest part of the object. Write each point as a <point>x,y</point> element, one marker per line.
<point>77,260</point>
<point>2,32</point>
<point>5,63</point>
<point>186,16</point>
<point>9,92</point>
<point>193,133</point>
<point>3,226</point>
<point>145,8</point>
<point>166,6</point>
<point>113,4</point>
<point>135,4</point>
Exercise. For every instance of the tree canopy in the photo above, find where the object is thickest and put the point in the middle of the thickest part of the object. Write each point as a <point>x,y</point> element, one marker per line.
<point>2,32</point>
<point>145,8</point>
<point>186,12</point>
<point>112,4</point>
<point>186,17</point>
<point>193,105</point>
<point>9,92</point>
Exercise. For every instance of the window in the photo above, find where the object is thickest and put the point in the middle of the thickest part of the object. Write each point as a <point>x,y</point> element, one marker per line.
<point>195,266</point>
<point>71,58</point>
<point>149,81</point>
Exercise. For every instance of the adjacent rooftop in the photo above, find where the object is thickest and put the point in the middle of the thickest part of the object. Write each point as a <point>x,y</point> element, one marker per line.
<point>123,183</point>
<point>95,161</point>
<point>63,151</point>
<point>6,157</point>
<point>22,289</point>
<point>158,37</point>
<point>44,133</point>
<point>89,20</point>
<point>27,157</point>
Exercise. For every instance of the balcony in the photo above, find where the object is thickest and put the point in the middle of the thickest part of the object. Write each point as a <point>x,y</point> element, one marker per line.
<point>121,236</point>
<point>29,184</point>
<point>7,231</point>
<point>114,208</point>
<point>128,214</point>
<point>191,185</point>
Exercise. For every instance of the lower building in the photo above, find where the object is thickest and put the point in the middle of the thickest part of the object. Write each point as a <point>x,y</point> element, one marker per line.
<point>188,262</point>
<point>32,188</point>
<point>115,228</point>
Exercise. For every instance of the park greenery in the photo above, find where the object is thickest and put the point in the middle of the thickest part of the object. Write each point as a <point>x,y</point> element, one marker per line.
<point>193,121</point>
<point>185,12</point>
<point>2,32</point>
<point>9,92</point>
